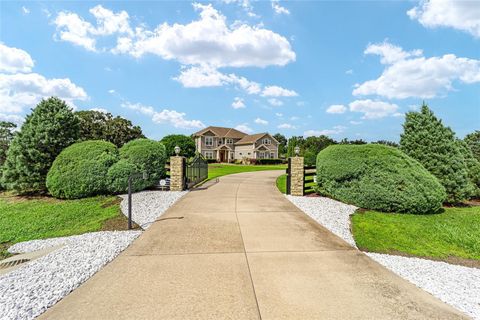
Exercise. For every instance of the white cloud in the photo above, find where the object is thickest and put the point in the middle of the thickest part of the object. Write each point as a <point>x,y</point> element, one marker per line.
<point>276,91</point>
<point>278,114</point>
<point>14,60</point>
<point>390,53</point>
<point>21,90</point>
<point>326,132</point>
<point>111,91</point>
<point>207,76</point>
<point>410,75</point>
<point>210,40</point>
<point>99,110</point>
<point>25,10</point>
<point>294,118</point>
<point>261,121</point>
<point>278,8</point>
<point>275,102</point>
<point>355,122</point>
<point>172,117</point>
<point>73,28</point>
<point>349,71</point>
<point>245,5</point>
<point>286,126</point>
<point>238,103</point>
<point>18,120</point>
<point>336,108</point>
<point>244,128</point>
<point>460,15</point>
<point>373,109</point>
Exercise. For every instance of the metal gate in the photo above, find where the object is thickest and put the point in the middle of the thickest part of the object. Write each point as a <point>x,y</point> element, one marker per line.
<point>195,171</point>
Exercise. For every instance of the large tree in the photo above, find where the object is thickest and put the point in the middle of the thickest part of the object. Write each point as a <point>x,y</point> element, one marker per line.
<point>50,128</point>
<point>186,144</point>
<point>473,142</point>
<point>313,145</point>
<point>295,141</point>
<point>97,125</point>
<point>282,144</point>
<point>427,140</point>
<point>6,135</point>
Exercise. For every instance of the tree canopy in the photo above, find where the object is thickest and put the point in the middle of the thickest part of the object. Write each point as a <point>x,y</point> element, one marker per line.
<point>186,144</point>
<point>97,125</point>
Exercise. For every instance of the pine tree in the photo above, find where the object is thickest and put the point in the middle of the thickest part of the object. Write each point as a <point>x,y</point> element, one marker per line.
<point>427,140</point>
<point>50,128</point>
<point>473,142</point>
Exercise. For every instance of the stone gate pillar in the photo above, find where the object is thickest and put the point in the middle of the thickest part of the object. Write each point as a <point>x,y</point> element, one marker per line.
<point>297,176</point>
<point>177,174</point>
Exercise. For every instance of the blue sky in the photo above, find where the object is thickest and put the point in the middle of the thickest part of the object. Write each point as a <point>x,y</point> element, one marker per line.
<point>345,69</point>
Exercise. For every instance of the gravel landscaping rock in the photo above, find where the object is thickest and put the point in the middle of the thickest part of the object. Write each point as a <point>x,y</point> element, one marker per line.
<point>28,291</point>
<point>332,214</point>
<point>149,205</point>
<point>456,285</point>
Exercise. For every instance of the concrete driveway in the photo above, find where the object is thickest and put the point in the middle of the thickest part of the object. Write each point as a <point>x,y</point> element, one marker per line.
<point>240,250</point>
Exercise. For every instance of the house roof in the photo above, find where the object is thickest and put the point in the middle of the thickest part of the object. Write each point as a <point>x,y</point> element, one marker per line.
<point>222,132</point>
<point>251,138</point>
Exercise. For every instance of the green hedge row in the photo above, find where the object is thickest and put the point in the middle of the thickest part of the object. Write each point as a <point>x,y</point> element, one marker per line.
<point>377,177</point>
<point>98,167</point>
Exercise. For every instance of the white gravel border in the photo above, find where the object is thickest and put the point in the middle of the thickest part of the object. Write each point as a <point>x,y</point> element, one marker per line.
<point>31,289</point>
<point>456,285</point>
<point>147,206</point>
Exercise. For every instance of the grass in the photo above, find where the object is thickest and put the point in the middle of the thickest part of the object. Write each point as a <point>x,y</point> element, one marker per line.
<point>450,235</point>
<point>282,183</point>
<point>216,170</point>
<point>23,219</point>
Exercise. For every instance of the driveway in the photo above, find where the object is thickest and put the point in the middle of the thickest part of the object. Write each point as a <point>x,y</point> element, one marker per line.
<point>240,250</point>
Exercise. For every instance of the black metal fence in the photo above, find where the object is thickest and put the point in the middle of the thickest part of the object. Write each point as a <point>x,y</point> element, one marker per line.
<point>196,171</point>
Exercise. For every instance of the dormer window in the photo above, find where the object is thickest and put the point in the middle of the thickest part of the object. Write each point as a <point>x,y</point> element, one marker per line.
<point>229,141</point>
<point>266,141</point>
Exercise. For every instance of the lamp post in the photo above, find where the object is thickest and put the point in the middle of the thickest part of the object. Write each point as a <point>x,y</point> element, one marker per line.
<point>297,150</point>
<point>130,178</point>
<point>177,150</point>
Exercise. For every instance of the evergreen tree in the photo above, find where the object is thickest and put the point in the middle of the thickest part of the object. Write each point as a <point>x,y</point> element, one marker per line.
<point>427,140</point>
<point>473,167</point>
<point>6,136</point>
<point>50,128</point>
<point>473,142</point>
<point>282,144</point>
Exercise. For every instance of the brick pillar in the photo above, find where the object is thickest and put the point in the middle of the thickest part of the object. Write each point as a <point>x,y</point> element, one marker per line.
<point>297,176</point>
<point>176,173</point>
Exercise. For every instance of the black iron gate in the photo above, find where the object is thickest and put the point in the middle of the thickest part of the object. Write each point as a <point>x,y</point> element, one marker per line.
<point>195,171</point>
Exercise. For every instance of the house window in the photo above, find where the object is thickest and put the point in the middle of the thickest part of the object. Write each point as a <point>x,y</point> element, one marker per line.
<point>229,141</point>
<point>261,154</point>
<point>272,155</point>
<point>209,141</point>
<point>266,141</point>
<point>209,154</point>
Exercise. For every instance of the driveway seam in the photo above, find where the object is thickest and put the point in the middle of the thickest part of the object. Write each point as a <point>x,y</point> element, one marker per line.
<point>245,251</point>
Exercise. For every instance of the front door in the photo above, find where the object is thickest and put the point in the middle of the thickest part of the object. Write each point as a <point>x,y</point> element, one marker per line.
<point>223,156</point>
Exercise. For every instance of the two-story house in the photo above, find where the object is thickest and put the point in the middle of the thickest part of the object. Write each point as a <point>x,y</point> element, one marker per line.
<point>228,144</point>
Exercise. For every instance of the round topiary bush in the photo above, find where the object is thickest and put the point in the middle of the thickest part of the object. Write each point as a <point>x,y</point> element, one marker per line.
<point>81,169</point>
<point>118,177</point>
<point>137,156</point>
<point>378,177</point>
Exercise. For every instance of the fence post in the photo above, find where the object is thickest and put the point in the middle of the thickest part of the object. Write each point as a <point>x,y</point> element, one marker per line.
<point>297,174</point>
<point>289,175</point>
<point>177,173</point>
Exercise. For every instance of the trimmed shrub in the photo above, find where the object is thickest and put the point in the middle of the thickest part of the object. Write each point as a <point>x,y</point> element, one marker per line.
<point>377,177</point>
<point>50,128</point>
<point>81,169</point>
<point>140,155</point>
<point>269,161</point>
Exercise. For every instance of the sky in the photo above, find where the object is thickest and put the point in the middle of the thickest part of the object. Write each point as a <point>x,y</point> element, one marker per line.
<point>340,68</point>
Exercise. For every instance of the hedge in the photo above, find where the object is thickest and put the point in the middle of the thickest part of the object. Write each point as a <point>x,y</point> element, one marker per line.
<point>140,155</point>
<point>80,170</point>
<point>377,177</point>
<point>269,161</point>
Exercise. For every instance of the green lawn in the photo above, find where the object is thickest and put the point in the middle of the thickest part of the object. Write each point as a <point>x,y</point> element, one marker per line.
<point>282,183</point>
<point>24,219</point>
<point>454,233</point>
<point>216,170</point>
